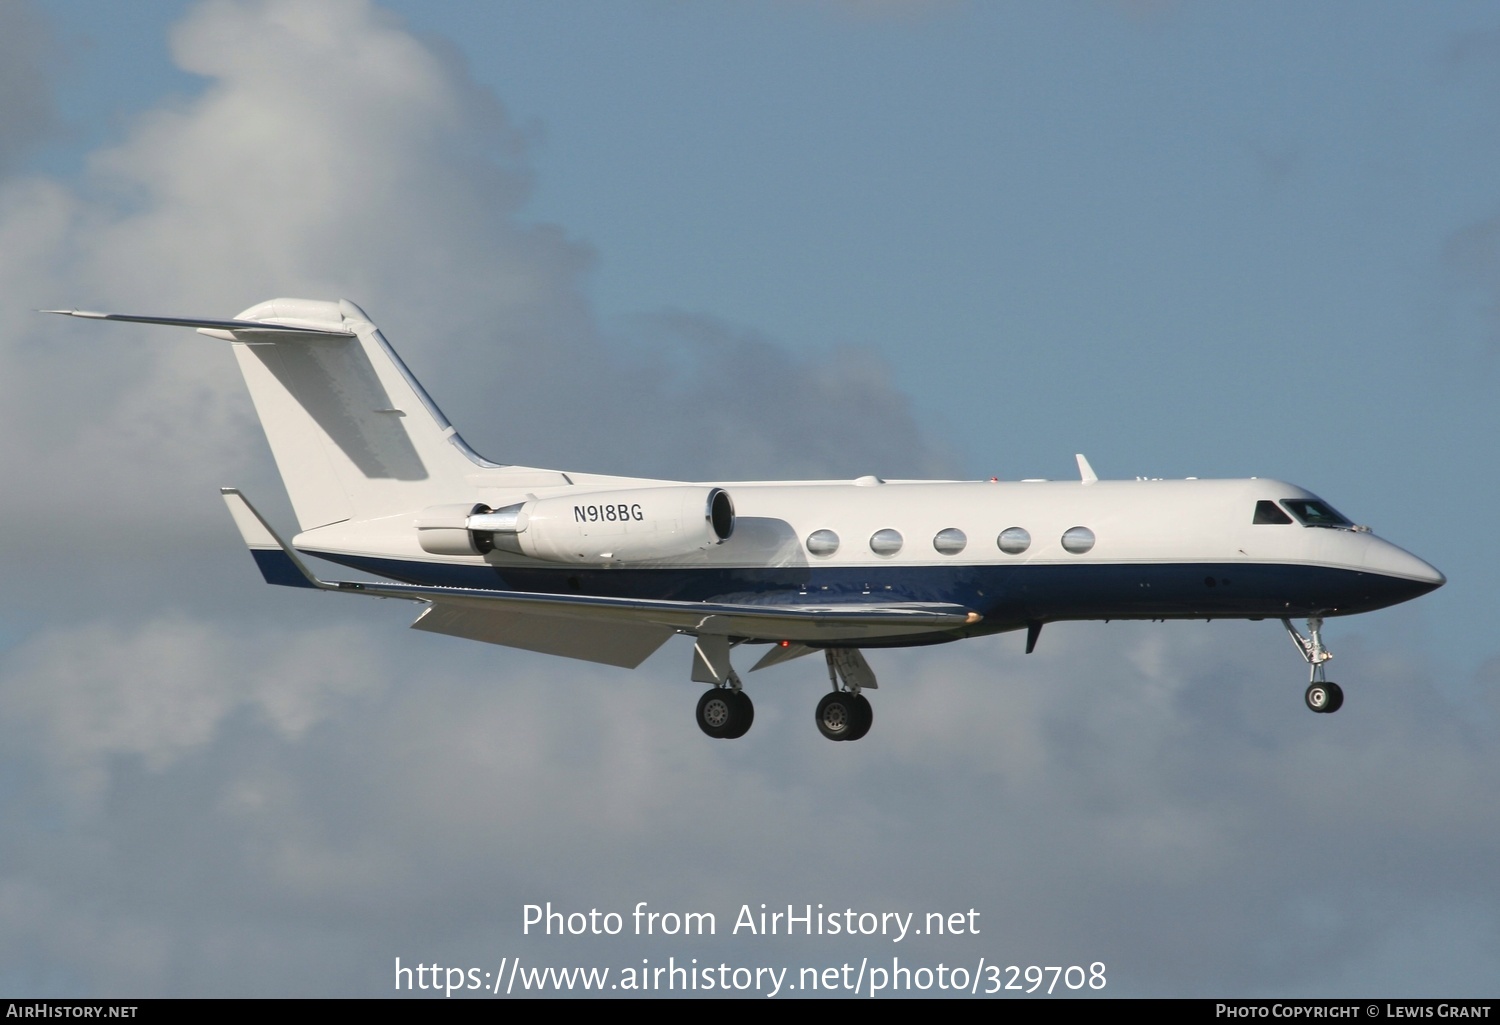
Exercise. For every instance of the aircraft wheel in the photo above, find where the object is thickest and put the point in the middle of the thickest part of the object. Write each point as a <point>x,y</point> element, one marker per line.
<point>725,714</point>
<point>864,717</point>
<point>838,714</point>
<point>1335,698</point>
<point>744,715</point>
<point>1324,697</point>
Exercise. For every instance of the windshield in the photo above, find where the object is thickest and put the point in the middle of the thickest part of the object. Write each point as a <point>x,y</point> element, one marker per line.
<point>1267,512</point>
<point>1314,513</point>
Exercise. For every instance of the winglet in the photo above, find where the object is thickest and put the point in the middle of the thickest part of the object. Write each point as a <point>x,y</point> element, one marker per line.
<point>1085,470</point>
<point>275,559</point>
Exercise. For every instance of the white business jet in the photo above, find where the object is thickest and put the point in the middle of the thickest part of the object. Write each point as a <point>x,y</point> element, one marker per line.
<point>607,569</point>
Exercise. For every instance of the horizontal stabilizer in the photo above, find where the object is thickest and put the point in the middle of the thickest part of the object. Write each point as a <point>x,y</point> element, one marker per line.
<point>353,433</point>
<point>248,328</point>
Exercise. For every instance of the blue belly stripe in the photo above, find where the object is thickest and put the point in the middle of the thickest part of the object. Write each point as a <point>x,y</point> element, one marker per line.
<point>1007,596</point>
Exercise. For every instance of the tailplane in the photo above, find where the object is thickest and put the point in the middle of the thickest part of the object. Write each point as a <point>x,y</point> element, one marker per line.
<point>354,435</point>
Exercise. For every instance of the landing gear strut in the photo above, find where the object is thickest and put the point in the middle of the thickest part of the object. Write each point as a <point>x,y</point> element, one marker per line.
<point>1321,695</point>
<point>725,712</point>
<point>845,713</point>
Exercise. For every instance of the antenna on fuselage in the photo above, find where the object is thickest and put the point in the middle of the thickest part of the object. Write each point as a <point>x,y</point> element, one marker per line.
<point>1085,470</point>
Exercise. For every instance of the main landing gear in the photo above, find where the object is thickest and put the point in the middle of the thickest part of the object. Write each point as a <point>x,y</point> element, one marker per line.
<point>1321,695</point>
<point>845,713</point>
<point>725,711</point>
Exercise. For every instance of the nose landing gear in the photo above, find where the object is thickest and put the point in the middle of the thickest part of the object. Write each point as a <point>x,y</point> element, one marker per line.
<point>1321,695</point>
<point>1324,697</point>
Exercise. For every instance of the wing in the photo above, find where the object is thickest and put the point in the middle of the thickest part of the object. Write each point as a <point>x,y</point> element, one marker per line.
<point>615,631</point>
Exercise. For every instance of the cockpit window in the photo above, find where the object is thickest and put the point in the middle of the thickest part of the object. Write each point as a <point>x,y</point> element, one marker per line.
<point>1270,512</point>
<point>1316,514</point>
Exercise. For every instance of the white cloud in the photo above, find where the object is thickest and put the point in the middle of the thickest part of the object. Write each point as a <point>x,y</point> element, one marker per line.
<point>331,153</point>
<point>78,697</point>
<point>272,796</point>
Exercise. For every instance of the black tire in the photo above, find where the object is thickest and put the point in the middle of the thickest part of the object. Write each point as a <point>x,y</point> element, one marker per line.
<point>1319,697</point>
<point>743,715</point>
<point>1335,698</point>
<point>837,715</point>
<point>864,717</point>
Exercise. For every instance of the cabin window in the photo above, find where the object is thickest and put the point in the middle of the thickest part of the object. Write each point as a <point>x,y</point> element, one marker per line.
<point>885,542</point>
<point>1270,512</point>
<point>822,542</point>
<point>1078,539</point>
<point>950,541</point>
<point>1314,513</point>
<point>1014,540</point>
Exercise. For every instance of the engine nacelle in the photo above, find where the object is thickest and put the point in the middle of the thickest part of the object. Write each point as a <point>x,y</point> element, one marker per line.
<point>598,527</point>
<point>444,529</point>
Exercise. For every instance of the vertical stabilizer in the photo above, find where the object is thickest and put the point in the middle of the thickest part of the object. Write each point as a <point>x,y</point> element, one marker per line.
<point>353,433</point>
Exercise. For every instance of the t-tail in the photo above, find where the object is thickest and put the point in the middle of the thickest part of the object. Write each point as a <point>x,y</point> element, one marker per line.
<point>353,433</point>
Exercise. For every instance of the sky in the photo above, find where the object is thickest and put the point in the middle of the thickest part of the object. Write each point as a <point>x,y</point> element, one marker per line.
<point>736,241</point>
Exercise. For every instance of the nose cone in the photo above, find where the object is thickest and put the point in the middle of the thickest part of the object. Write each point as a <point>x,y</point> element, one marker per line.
<point>1430,576</point>
<point>1403,570</point>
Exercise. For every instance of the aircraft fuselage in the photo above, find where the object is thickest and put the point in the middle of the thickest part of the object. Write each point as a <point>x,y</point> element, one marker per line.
<point>1147,549</point>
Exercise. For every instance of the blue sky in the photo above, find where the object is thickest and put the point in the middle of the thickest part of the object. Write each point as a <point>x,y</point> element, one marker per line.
<point>729,240</point>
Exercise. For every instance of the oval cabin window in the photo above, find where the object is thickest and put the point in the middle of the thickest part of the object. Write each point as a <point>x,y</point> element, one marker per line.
<point>822,542</point>
<point>950,541</point>
<point>1014,540</point>
<point>1078,539</point>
